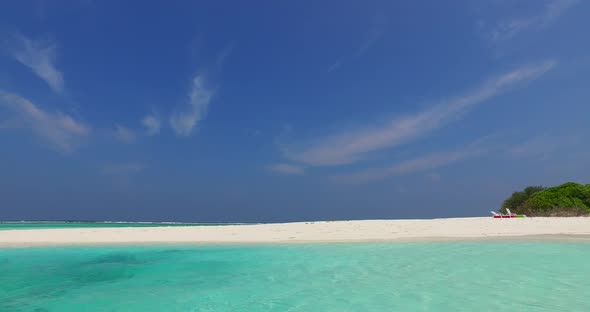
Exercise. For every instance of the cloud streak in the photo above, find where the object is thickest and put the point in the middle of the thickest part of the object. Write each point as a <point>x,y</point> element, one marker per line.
<point>40,58</point>
<point>200,96</point>
<point>58,129</point>
<point>419,164</point>
<point>547,145</point>
<point>151,124</point>
<point>352,146</point>
<point>375,32</point>
<point>507,29</point>
<point>125,134</point>
<point>288,169</point>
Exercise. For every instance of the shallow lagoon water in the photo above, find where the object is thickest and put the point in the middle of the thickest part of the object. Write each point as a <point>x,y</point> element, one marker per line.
<point>420,276</point>
<point>65,225</point>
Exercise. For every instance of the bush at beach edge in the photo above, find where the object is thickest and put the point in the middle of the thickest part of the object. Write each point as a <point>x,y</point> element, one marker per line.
<point>568,199</point>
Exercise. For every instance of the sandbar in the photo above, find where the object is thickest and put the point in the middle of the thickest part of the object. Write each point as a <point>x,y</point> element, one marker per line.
<point>482,228</point>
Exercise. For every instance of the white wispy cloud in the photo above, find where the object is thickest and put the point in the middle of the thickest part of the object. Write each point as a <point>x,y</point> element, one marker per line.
<point>375,32</point>
<point>40,57</point>
<point>60,130</point>
<point>352,146</point>
<point>200,96</point>
<point>125,134</point>
<point>287,169</point>
<point>418,164</point>
<point>543,146</point>
<point>336,65</point>
<point>151,124</point>
<point>509,28</point>
<point>433,177</point>
<point>373,35</point>
<point>224,54</point>
<point>121,169</point>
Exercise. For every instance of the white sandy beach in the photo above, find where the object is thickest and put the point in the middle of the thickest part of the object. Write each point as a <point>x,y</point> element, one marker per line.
<point>309,232</point>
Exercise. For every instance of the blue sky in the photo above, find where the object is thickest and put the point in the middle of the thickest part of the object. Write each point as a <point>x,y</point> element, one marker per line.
<point>226,111</point>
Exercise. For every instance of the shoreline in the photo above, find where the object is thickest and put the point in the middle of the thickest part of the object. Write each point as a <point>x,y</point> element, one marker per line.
<point>575,229</point>
<point>558,238</point>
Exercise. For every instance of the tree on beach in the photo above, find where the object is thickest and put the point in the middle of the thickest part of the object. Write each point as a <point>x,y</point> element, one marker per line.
<point>568,199</point>
<point>517,199</point>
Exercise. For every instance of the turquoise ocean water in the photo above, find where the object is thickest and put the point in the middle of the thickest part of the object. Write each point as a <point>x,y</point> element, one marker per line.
<point>442,276</point>
<point>64,225</point>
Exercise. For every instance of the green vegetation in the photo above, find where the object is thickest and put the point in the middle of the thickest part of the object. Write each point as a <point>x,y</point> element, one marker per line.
<point>569,199</point>
<point>516,201</point>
